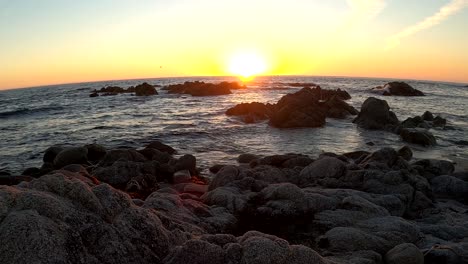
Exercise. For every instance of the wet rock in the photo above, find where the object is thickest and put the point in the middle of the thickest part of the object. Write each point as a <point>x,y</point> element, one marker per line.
<point>404,254</point>
<point>428,116</point>
<point>397,88</point>
<point>246,158</point>
<point>255,111</point>
<point>51,153</point>
<point>430,168</point>
<point>73,155</point>
<point>161,147</point>
<point>156,155</point>
<point>187,162</point>
<point>121,155</point>
<point>94,94</point>
<point>96,152</point>
<point>216,168</point>
<point>33,172</point>
<point>376,114</point>
<point>338,108</point>
<point>417,136</point>
<point>198,88</point>
<point>13,180</point>
<point>325,168</point>
<point>406,153</point>
<point>450,187</point>
<point>145,89</point>
<point>439,122</point>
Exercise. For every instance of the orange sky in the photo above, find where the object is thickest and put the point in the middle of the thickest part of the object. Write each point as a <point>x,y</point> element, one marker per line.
<point>55,42</point>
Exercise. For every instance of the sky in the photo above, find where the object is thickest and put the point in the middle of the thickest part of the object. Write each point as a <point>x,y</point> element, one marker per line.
<point>65,41</point>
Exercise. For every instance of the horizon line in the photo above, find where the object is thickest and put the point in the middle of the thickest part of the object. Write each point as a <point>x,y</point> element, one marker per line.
<point>232,76</point>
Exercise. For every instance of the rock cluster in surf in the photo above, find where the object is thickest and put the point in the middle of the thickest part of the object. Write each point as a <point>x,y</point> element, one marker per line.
<point>398,89</point>
<point>198,88</point>
<point>309,107</point>
<point>143,89</point>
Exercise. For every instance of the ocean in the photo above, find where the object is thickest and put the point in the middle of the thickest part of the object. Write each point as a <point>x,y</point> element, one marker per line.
<point>33,119</point>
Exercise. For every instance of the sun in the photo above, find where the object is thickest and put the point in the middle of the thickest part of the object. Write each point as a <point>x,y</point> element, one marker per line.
<point>246,65</point>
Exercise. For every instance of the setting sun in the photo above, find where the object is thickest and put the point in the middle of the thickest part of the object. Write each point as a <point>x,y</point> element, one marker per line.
<point>247,64</point>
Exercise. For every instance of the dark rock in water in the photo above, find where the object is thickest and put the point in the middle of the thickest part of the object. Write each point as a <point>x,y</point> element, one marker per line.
<point>406,153</point>
<point>427,120</point>
<point>460,142</point>
<point>111,90</point>
<point>215,168</point>
<point>406,253</point>
<point>254,111</point>
<point>96,152</point>
<point>296,84</point>
<point>198,88</point>
<point>161,147</point>
<point>247,158</point>
<point>94,94</point>
<point>337,108</point>
<point>418,136</point>
<point>439,122</point>
<point>370,143</point>
<point>292,116</point>
<point>145,89</point>
<point>376,114</point>
<point>51,153</point>
<point>187,162</point>
<point>110,94</point>
<point>397,88</point>
<point>428,116</point>
<point>73,155</point>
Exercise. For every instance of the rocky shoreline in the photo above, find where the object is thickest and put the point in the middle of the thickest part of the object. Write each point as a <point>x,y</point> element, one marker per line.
<point>90,204</point>
<point>94,205</point>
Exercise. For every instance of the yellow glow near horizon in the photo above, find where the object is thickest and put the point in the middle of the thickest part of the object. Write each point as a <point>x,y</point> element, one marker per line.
<point>247,64</point>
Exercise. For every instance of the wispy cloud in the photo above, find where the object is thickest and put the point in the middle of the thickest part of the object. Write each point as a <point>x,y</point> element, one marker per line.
<point>444,12</point>
<point>362,10</point>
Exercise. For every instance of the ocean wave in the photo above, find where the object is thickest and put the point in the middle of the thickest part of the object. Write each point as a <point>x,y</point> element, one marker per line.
<point>28,111</point>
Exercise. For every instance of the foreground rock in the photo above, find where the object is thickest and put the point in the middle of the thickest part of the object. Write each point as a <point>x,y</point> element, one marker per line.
<point>146,206</point>
<point>397,88</point>
<point>198,88</point>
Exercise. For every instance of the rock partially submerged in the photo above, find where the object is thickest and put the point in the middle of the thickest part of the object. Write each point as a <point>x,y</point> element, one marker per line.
<point>143,89</point>
<point>426,120</point>
<point>375,114</point>
<point>198,88</point>
<point>397,88</point>
<point>308,107</point>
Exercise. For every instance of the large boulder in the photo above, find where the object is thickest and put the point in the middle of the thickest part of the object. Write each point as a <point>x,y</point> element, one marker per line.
<point>145,89</point>
<point>337,108</point>
<point>397,88</point>
<point>73,155</point>
<point>376,114</point>
<point>60,219</point>
<point>161,147</point>
<point>450,187</point>
<point>324,169</point>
